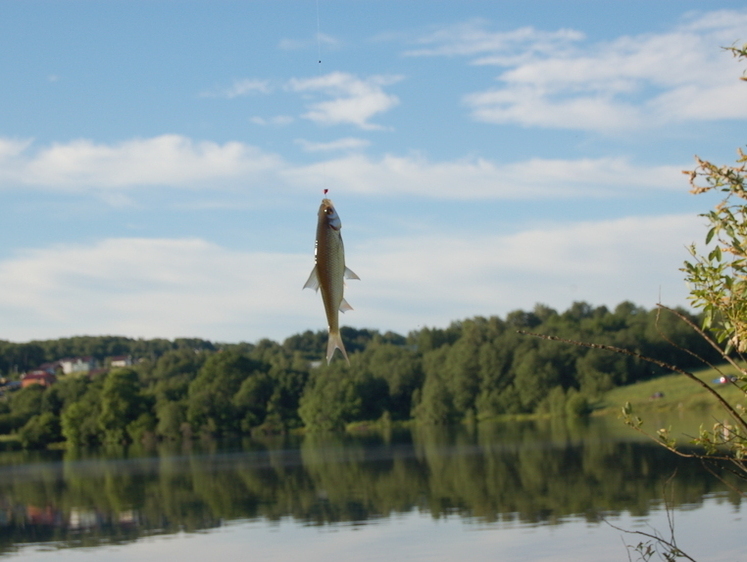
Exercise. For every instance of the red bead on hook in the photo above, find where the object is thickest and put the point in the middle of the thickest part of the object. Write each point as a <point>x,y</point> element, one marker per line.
<point>325,191</point>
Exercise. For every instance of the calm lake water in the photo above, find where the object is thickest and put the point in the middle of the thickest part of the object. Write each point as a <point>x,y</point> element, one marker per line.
<point>521,491</point>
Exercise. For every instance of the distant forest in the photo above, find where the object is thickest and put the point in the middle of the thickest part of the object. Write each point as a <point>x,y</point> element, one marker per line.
<point>473,369</point>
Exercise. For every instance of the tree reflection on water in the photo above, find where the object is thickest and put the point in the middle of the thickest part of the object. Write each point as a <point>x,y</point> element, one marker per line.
<point>527,472</point>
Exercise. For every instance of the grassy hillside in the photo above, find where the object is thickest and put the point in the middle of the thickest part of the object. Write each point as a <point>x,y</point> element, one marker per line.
<point>683,406</point>
<point>677,393</point>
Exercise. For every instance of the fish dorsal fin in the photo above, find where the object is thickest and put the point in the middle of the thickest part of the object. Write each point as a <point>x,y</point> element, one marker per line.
<point>349,274</point>
<point>313,281</point>
<point>344,306</point>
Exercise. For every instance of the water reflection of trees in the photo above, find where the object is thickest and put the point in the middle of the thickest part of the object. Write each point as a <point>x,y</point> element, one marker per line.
<point>530,472</point>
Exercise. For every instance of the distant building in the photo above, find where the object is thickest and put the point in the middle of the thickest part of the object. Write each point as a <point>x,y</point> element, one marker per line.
<point>50,367</point>
<point>38,377</point>
<point>120,361</point>
<point>78,364</point>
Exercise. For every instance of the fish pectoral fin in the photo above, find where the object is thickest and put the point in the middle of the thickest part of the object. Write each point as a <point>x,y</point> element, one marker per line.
<point>350,274</point>
<point>313,281</point>
<point>344,306</point>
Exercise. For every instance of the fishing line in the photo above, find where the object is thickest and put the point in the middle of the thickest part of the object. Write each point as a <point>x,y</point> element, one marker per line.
<point>319,66</point>
<point>318,36</point>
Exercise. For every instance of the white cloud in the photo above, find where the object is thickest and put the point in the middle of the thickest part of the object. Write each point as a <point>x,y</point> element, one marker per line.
<point>530,107</point>
<point>11,148</point>
<point>293,44</point>
<point>557,80</point>
<point>478,178</point>
<point>355,101</point>
<point>164,160</point>
<point>240,88</point>
<point>434,279</point>
<point>179,162</point>
<point>319,39</point>
<point>473,39</point>
<point>277,121</point>
<point>188,287</point>
<point>348,143</point>
<point>154,288</point>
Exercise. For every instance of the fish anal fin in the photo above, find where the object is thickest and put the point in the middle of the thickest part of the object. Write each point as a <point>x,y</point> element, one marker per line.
<point>313,281</point>
<point>344,306</point>
<point>335,342</point>
<point>350,274</point>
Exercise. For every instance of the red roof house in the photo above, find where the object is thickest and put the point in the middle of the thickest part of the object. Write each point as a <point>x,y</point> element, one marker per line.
<point>38,377</point>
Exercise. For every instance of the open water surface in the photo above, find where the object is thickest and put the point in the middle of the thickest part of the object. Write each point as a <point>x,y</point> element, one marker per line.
<point>520,491</point>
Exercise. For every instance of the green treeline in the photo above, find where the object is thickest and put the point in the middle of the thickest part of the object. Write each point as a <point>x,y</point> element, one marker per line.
<point>474,369</point>
<point>21,357</point>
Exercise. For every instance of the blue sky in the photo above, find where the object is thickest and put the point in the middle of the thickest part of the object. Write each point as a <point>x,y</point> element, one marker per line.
<point>162,162</point>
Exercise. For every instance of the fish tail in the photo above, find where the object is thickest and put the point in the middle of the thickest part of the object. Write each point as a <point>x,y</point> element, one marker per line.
<point>335,342</point>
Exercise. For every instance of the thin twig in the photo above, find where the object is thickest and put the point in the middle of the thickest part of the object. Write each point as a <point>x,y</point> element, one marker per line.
<point>667,506</point>
<point>704,461</point>
<point>674,368</point>
<point>671,544</point>
<point>656,538</point>
<point>710,341</point>
<point>676,451</point>
<point>702,334</point>
<point>684,349</point>
<point>627,547</point>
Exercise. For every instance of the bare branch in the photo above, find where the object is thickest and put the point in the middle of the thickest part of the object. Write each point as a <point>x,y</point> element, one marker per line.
<point>684,349</point>
<point>738,474</point>
<point>669,544</point>
<point>674,368</point>
<point>705,336</point>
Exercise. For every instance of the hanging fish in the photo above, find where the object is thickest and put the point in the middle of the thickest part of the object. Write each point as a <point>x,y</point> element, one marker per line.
<point>329,272</point>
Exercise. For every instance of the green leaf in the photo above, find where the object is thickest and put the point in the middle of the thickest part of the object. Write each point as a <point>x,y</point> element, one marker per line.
<point>707,320</point>
<point>710,234</point>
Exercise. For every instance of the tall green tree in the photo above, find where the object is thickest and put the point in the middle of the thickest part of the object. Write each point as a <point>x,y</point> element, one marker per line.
<point>40,431</point>
<point>434,404</point>
<point>122,403</point>
<point>79,419</point>
<point>400,368</point>
<point>331,398</point>
<point>210,405</point>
